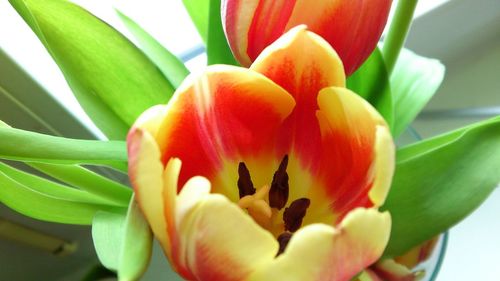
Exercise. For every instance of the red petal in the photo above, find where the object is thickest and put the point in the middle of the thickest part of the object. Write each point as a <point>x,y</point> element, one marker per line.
<point>224,116</point>
<point>303,64</point>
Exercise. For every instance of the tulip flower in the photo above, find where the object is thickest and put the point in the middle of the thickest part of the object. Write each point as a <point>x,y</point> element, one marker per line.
<point>352,27</point>
<point>283,169</point>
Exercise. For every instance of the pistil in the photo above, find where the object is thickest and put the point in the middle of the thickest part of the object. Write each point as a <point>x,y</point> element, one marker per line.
<point>257,206</point>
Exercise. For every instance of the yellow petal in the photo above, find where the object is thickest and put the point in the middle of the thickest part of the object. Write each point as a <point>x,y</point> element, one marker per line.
<point>356,142</point>
<point>145,171</point>
<point>346,111</point>
<point>384,166</point>
<point>223,242</point>
<point>194,191</point>
<point>177,208</point>
<point>323,253</point>
<point>151,120</point>
<point>298,56</point>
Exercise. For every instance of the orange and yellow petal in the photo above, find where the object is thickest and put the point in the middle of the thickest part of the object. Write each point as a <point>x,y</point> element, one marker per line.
<point>151,120</point>
<point>322,253</point>
<point>384,165</point>
<point>357,150</point>
<point>177,209</point>
<point>145,172</point>
<point>202,234</point>
<point>222,242</point>
<point>223,115</point>
<point>303,64</point>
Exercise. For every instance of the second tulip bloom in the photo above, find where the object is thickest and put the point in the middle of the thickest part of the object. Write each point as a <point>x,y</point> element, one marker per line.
<point>352,27</point>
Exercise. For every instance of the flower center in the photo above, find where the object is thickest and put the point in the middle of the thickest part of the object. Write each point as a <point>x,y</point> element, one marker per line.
<point>264,205</point>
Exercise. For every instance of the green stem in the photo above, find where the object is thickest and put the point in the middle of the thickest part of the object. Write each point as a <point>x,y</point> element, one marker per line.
<point>218,51</point>
<point>398,30</point>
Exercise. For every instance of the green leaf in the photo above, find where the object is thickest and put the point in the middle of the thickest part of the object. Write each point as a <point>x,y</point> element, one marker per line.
<point>87,180</point>
<point>198,11</point>
<point>48,187</point>
<point>107,234</point>
<point>371,82</point>
<point>137,245</point>
<point>439,181</point>
<point>425,146</point>
<point>414,81</point>
<point>77,176</point>
<point>218,50</point>
<point>123,242</point>
<point>44,148</point>
<point>112,79</point>
<point>173,69</point>
<point>32,203</point>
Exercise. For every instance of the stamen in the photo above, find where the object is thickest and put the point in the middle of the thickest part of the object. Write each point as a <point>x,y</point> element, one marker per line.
<point>283,240</point>
<point>245,185</point>
<point>294,214</point>
<point>278,195</point>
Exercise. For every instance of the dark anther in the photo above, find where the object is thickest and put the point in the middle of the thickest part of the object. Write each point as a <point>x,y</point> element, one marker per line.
<point>245,185</point>
<point>278,195</point>
<point>283,240</point>
<point>294,214</point>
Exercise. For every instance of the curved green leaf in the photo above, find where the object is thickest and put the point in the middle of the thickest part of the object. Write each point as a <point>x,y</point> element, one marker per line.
<point>439,181</point>
<point>371,81</point>
<point>23,145</point>
<point>137,245</point>
<point>107,234</point>
<point>198,11</point>
<point>431,144</point>
<point>218,50</point>
<point>173,69</point>
<point>37,205</point>
<point>123,242</point>
<point>87,180</point>
<point>414,81</point>
<point>48,187</point>
<point>112,79</point>
<point>77,176</point>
